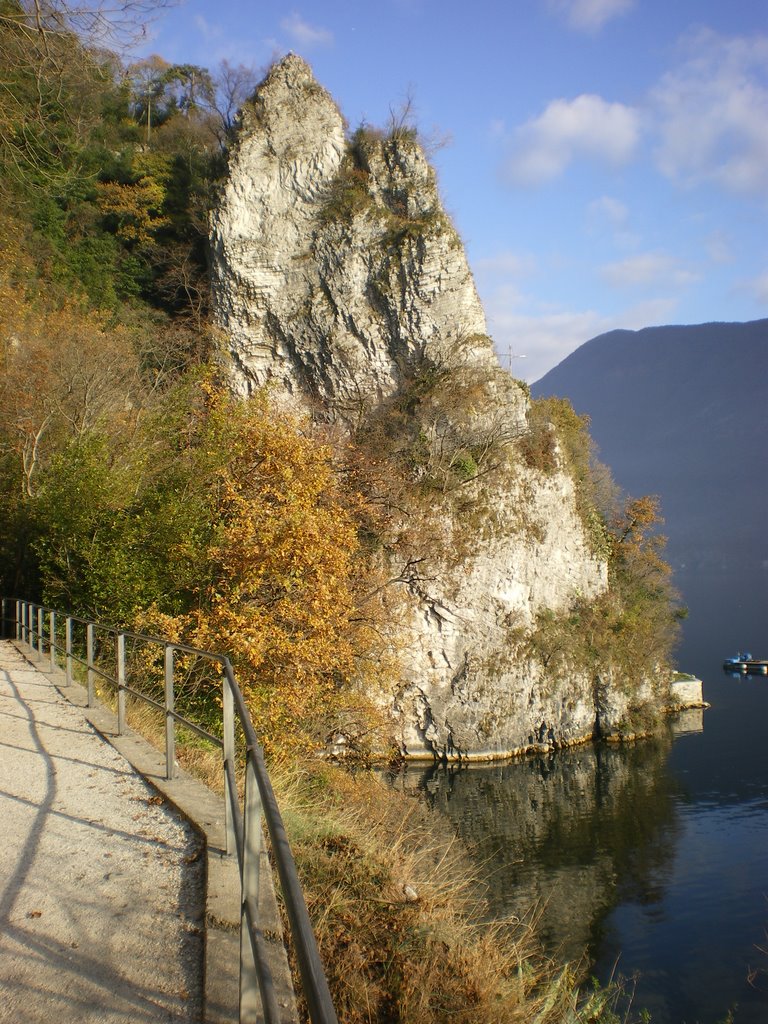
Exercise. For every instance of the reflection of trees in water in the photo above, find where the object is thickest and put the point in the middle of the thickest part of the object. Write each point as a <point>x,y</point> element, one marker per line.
<point>570,833</point>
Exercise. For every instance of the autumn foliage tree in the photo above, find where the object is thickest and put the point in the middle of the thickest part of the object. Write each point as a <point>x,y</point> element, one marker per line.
<point>284,575</point>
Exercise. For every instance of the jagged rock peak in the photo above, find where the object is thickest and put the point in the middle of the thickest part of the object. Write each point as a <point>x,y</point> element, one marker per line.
<point>297,120</point>
<point>335,268</point>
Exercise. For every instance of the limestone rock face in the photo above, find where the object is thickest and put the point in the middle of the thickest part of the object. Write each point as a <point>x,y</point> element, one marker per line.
<point>474,691</point>
<point>335,273</point>
<point>331,273</point>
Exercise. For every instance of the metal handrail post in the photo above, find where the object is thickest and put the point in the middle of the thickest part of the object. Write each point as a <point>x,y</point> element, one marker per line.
<point>40,630</point>
<point>316,991</point>
<point>170,724</point>
<point>89,652</point>
<point>228,723</point>
<point>68,648</point>
<point>250,998</point>
<point>120,653</point>
<point>19,630</point>
<point>52,638</point>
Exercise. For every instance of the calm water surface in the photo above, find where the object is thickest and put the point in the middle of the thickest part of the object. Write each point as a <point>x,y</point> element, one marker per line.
<point>654,856</point>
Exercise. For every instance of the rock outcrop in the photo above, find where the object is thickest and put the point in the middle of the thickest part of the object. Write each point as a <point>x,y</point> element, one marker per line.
<point>339,281</point>
<point>332,271</point>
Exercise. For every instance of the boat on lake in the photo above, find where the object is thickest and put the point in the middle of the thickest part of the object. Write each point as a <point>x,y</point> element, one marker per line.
<point>745,664</point>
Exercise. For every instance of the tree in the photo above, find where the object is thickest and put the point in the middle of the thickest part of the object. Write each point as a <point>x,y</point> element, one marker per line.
<point>233,85</point>
<point>147,81</point>
<point>63,376</point>
<point>284,574</point>
<point>189,88</point>
<point>53,57</point>
<point>119,22</point>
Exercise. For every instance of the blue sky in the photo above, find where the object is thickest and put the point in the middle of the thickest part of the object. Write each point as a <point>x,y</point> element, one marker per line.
<point>605,161</point>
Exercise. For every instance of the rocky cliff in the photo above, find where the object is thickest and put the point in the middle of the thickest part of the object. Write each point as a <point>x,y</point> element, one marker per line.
<point>340,283</point>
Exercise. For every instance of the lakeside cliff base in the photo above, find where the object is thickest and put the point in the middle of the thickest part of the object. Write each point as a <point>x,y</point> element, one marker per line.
<point>685,708</point>
<point>603,713</point>
<point>685,694</point>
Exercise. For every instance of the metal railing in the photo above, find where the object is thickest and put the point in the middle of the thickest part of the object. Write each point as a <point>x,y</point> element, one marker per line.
<point>40,627</point>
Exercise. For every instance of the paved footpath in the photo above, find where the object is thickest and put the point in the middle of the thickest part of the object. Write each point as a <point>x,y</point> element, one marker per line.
<point>100,883</point>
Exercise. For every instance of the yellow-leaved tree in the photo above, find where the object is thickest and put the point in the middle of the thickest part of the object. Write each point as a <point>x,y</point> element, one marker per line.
<point>283,588</point>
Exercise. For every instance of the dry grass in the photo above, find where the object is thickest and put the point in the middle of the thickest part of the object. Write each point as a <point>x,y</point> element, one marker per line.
<point>398,914</point>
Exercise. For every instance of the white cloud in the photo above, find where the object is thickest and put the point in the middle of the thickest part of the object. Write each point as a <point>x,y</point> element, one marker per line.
<point>507,262</point>
<point>610,211</point>
<point>585,126</point>
<point>542,341</point>
<point>651,313</point>
<point>708,117</point>
<point>591,15</point>
<point>546,338</point>
<point>758,286</point>
<point>608,218</point>
<point>535,335</point>
<point>607,212</point>
<point>305,35</point>
<point>713,114</point>
<point>647,269</point>
<point>718,247</point>
<point>208,31</point>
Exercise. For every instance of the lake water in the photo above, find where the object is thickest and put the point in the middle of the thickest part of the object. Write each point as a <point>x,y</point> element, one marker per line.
<point>652,857</point>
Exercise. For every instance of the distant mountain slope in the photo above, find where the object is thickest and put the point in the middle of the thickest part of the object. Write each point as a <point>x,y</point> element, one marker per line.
<point>681,412</point>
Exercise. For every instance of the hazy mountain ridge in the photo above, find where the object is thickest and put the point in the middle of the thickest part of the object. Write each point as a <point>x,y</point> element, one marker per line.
<point>678,411</point>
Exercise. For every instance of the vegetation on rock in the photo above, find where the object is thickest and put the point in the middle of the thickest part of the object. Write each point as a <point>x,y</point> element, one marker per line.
<point>628,632</point>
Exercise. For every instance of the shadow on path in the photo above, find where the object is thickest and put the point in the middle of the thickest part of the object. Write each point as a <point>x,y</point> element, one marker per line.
<point>100,886</point>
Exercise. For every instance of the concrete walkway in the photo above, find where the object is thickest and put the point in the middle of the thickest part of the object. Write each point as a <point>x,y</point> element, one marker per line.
<point>101,884</point>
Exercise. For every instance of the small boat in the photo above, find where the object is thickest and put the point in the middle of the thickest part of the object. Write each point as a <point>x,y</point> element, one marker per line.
<point>745,664</point>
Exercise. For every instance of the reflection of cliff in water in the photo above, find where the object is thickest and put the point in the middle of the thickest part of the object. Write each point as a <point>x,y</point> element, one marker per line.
<point>569,833</point>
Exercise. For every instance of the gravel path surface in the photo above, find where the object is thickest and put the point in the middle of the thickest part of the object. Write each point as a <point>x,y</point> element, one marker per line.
<point>101,887</point>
